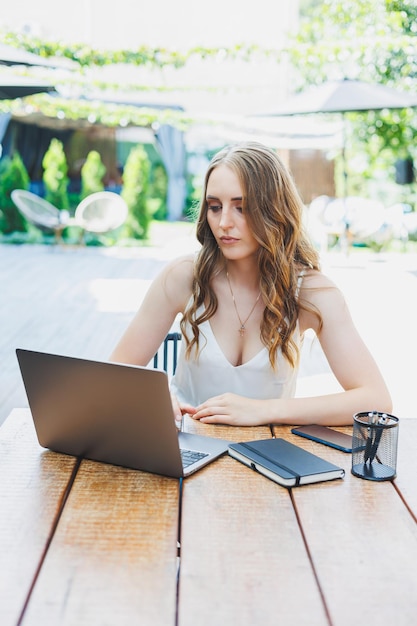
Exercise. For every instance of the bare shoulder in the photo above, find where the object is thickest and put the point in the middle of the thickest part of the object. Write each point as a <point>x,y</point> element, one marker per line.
<point>176,278</point>
<point>180,269</point>
<point>315,282</point>
<point>320,294</point>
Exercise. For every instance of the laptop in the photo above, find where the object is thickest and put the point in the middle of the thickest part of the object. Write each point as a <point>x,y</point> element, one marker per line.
<point>113,413</point>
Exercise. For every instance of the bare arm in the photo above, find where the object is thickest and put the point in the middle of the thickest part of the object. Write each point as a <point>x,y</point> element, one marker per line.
<point>167,296</point>
<point>348,357</point>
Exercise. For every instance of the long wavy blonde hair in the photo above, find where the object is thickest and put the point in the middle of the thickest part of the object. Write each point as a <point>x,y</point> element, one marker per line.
<point>273,210</point>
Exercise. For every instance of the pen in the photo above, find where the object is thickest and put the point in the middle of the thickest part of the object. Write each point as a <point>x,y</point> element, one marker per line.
<point>369,441</point>
<point>377,438</point>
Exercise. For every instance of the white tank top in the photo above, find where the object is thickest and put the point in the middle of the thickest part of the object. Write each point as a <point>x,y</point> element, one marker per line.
<point>196,380</point>
<point>212,374</point>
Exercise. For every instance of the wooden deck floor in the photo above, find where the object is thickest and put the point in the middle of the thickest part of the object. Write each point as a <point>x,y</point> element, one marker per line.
<point>78,301</point>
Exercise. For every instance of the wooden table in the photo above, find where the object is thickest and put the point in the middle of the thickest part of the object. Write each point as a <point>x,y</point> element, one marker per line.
<point>93,544</point>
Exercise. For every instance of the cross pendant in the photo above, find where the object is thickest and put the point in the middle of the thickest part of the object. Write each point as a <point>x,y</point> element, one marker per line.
<point>242,330</point>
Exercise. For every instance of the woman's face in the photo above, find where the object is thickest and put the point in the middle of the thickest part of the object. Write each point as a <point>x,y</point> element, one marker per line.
<point>224,215</point>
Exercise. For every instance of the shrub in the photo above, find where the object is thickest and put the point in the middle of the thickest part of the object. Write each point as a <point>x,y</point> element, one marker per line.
<point>92,174</point>
<point>158,192</point>
<point>13,175</point>
<point>135,193</point>
<point>55,175</point>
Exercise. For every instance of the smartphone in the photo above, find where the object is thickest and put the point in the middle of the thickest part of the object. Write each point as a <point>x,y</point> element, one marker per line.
<point>326,436</point>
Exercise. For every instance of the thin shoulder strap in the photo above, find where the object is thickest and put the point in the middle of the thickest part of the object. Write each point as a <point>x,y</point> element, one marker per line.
<point>300,280</point>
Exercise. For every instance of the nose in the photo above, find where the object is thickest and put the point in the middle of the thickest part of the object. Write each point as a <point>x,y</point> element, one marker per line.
<point>226,220</point>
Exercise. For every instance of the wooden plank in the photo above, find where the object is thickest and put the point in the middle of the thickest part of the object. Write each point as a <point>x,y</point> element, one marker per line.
<point>32,486</point>
<point>363,545</point>
<point>242,555</point>
<point>113,559</point>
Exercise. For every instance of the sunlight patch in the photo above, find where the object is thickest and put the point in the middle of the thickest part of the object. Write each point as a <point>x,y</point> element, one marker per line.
<point>118,295</point>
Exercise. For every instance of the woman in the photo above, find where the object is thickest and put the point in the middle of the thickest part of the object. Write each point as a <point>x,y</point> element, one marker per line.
<point>246,300</point>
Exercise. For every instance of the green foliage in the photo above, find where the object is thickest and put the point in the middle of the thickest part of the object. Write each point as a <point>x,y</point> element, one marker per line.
<point>192,201</point>
<point>113,115</point>
<point>13,175</point>
<point>158,192</point>
<point>74,199</point>
<point>107,114</point>
<point>405,13</point>
<point>55,175</point>
<point>369,40</point>
<point>92,174</point>
<point>135,193</point>
<point>149,56</point>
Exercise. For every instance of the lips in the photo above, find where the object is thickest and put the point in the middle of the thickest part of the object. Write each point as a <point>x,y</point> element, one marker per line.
<point>228,240</point>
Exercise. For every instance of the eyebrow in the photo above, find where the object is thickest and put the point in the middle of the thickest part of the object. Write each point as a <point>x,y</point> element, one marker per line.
<point>216,198</point>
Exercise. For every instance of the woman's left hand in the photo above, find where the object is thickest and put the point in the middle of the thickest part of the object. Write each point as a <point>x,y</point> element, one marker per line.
<point>231,409</point>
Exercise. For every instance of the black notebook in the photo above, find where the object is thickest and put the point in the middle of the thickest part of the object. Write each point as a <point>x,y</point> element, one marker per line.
<point>284,462</point>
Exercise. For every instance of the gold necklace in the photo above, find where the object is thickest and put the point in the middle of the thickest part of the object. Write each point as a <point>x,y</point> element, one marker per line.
<point>242,328</point>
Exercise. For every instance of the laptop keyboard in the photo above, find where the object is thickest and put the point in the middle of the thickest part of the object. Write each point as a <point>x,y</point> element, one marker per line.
<point>191,456</point>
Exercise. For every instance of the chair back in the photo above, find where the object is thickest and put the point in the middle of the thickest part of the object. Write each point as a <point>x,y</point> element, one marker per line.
<point>101,212</point>
<point>36,210</point>
<point>168,352</point>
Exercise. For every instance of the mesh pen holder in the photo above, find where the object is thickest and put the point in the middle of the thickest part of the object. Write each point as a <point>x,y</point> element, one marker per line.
<point>374,445</point>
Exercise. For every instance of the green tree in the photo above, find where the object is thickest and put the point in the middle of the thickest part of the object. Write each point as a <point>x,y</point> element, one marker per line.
<point>13,175</point>
<point>55,175</point>
<point>157,192</point>
<point>373,39</point>
<point>370,40</point>
<point>92,174</point>
<point>135,192</point>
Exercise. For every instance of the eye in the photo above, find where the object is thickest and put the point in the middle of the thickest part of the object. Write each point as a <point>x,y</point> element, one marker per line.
<point>214,207</point>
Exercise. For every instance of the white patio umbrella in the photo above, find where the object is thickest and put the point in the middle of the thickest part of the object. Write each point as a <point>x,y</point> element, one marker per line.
<point>341,97</point>
<point>344,96</point>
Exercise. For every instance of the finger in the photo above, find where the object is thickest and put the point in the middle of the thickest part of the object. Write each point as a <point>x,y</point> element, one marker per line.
<point>188,408</point>
<point>208,413</point>
<point>215,419</point>
<point>215,401</point>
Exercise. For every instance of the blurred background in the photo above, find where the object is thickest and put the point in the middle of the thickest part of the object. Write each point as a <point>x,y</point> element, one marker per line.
<point>180,83</point>
<point>134,98</point>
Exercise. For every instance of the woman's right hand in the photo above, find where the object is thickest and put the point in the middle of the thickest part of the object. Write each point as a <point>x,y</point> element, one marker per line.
<point>180,409</point>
